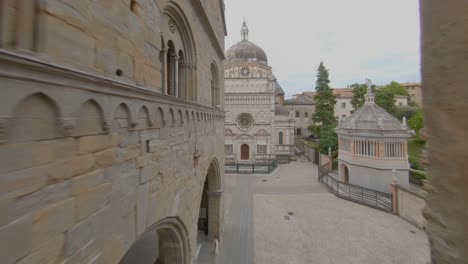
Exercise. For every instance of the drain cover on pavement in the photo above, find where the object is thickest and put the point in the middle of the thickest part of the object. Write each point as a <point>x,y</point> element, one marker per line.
<point>286,217</point>
<point>290,213</point>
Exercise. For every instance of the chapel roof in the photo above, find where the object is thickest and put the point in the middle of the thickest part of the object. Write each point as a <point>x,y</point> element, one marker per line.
<point>278,89</point>
<point>372,118</point>
<point>246,51</point>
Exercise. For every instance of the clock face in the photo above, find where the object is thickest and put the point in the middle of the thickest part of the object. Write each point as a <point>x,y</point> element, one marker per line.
<point>245,72</point>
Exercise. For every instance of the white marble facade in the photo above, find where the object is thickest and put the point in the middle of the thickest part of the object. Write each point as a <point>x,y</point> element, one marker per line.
<point>257,127</point>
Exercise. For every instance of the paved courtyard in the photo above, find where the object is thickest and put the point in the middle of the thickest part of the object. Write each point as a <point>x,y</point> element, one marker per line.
<point>289,218</point>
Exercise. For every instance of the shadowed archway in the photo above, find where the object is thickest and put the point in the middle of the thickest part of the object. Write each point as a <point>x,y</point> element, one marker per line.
<point>166,242</point>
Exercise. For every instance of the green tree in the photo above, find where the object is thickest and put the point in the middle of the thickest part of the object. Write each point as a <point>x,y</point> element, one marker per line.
<point>416,123</point>
<point>359,91</point>
<point>325,101</point>
<point>328,139</point>
<point>324,116</point>
<point>384,96</point>
<point>406,111</point>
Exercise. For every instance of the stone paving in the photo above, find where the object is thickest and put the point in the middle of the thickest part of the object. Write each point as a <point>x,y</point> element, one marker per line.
<point>289,218</point>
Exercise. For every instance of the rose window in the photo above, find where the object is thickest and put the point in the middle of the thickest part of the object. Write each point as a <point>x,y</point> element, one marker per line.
<point>245,120</point>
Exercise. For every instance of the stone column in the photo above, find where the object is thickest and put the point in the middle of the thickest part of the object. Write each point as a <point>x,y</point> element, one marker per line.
<point>215,215</point>
<point>25,24</point>
<point>165,62</point>
<point>176,76</point>
<point>394,187</point>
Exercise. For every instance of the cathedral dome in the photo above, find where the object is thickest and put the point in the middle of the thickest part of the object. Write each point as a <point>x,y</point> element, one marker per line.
<point>246,51</point>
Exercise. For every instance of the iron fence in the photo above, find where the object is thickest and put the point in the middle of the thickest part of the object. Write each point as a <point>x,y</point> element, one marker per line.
<point>251,168</point>
<point>359,194</point>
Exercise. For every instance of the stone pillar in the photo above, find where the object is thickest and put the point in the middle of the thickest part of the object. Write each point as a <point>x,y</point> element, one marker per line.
<point>443,64</point>
<point>25,24</point>
<point>381,149</point>
<point>394,187</point>
<point>165,62</point>
<point>176,76</point>
<point>215,215</point>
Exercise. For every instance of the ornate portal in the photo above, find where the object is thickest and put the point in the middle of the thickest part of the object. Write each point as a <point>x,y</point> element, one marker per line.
<point>245,121</point>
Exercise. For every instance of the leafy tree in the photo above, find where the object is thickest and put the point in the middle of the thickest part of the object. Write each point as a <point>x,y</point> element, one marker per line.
<point>325,101</point>
<point>386,99</point>
<point>395,88</point>
<point>359,91</point>
<point>416,123</point>
<point>406,111</point>
<point>328,138</point>
<point>384,96</point>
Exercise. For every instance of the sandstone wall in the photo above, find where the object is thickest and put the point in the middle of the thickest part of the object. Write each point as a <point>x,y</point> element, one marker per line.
<point>87,165</point>
<point>444,78</point>
<point>101,37</point>
<point>92,154</point>
<point>410,207</point>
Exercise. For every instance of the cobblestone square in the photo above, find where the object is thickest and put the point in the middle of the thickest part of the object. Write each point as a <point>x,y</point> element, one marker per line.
<point>290,218</point>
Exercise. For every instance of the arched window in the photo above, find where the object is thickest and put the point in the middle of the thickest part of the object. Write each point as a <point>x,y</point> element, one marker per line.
<point>280,138</point>
<point>298,131</point>
<point>306,114</point>
<point>298,114</point>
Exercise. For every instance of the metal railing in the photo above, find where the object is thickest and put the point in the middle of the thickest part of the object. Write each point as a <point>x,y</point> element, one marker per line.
<point>359,194</point>
<point>251,168</point>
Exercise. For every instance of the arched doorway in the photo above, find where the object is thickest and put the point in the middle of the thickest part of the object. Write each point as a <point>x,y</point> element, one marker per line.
<point>245,152</point>
<point>163,243</point>
<point>209,216</point>
<point>345,173</point>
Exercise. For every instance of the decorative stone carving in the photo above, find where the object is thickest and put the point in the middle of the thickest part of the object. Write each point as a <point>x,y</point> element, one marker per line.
<point>133,123</point>
<point>3,130</point>
<point>107,126</point>
<point>245,121</point>
<point>172,26</point>
<point>67,126</point>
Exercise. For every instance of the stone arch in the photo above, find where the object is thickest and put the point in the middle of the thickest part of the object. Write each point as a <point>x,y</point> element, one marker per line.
<point>187,116</point>
<point>91,119</point>
<point>35,118</point>
<point>193,117</point>
<point>180,118</point>
<point>144,118</point>
<point>210,214</point>
<point>344,173</point>
<point>162,243</point>
<point>122,120</point>
<point>198,117</point>
<point>159,118</point>
<point>171,120</point>
<point>181,23</point>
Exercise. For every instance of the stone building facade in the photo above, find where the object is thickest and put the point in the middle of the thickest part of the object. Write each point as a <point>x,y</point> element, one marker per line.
<point>257,124</point>
<point>110,130</point>
<point>415,91</point>
<point>302,108</point>
<point>372,148</point>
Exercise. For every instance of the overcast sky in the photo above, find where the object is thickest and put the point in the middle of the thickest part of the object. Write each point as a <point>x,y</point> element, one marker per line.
<point>378,39</point>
